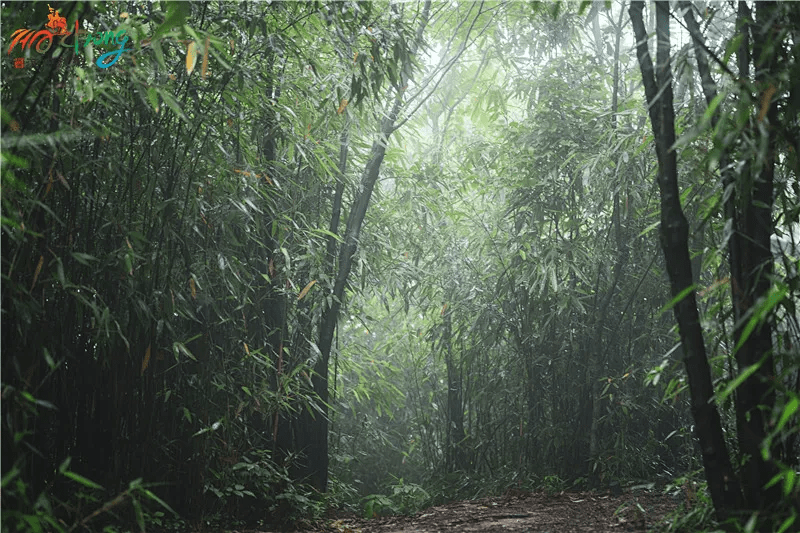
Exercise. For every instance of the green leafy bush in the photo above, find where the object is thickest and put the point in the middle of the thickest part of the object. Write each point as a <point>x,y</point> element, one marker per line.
<point>22,514</point>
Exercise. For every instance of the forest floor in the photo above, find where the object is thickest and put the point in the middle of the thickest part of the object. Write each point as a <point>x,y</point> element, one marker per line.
<point>518,511</point>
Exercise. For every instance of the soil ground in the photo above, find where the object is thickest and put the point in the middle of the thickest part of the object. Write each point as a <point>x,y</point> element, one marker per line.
<point>518,511</point>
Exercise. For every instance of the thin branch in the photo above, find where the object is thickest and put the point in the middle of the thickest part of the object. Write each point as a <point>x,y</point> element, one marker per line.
<point>447,66</point>
<point>698,40</point>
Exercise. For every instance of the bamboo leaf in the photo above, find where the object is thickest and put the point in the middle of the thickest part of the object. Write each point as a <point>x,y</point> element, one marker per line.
<point>204,70</point>
<point>678,298</point>
<point>789,410</point>
<point>306,289</point>
<point>146,359</point>
<point>191,57</point>
<point>176,14</point>
<point>155,44</point>
<point>159,501</point>
<point>37,271</point>
<point>83,259</point>
<point>775,296</point>
<point>323,231</point>
<point>82,480</point>
<point>137,508</point>
<point>733,385</point>
<point>173,104</point>
<point>152,96</point>
<point>180,348</point>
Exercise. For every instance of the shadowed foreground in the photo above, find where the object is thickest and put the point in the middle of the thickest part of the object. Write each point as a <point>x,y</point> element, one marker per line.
<point>571,512</point>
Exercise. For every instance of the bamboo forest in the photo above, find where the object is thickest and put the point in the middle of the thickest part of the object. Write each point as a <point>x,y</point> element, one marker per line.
<point>400,266</point>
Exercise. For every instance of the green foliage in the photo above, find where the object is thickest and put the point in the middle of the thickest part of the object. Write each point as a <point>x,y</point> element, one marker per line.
<point>165,227</point>
<point>552,484</point>
<point>409,497</point>
<point>258,481</point>
<point>695,511</point>
<point>21,513</point>
<point>378,505</point>
<point>170,250</point>
<point>405,498</point>
<point>342,495</point>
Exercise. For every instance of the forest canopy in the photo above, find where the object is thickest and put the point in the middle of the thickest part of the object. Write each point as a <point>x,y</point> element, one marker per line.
<point>261,260</point>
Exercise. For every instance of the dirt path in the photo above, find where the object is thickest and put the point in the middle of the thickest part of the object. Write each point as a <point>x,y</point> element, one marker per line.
<point>576,512</point>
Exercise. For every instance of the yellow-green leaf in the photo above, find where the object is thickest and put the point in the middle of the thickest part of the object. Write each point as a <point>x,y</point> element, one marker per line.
<point>146,360</point>
<point>306,289</point>
<point>152,95</point>
<point>82,480</point>
<point>191,57</point>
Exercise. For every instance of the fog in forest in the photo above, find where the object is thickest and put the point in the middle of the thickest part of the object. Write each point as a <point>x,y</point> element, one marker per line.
<point>400,266</point>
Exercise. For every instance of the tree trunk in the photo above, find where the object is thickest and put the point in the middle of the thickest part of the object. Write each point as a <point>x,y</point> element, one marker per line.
<point>748,213</point>
<point>750,282</point>
<point>454,459</point>
<point>598,352</point>
<point>674,235</point>
<point>316,447</point>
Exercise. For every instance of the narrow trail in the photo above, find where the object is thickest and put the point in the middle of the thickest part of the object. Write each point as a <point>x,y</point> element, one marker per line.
<point>566,512</point>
